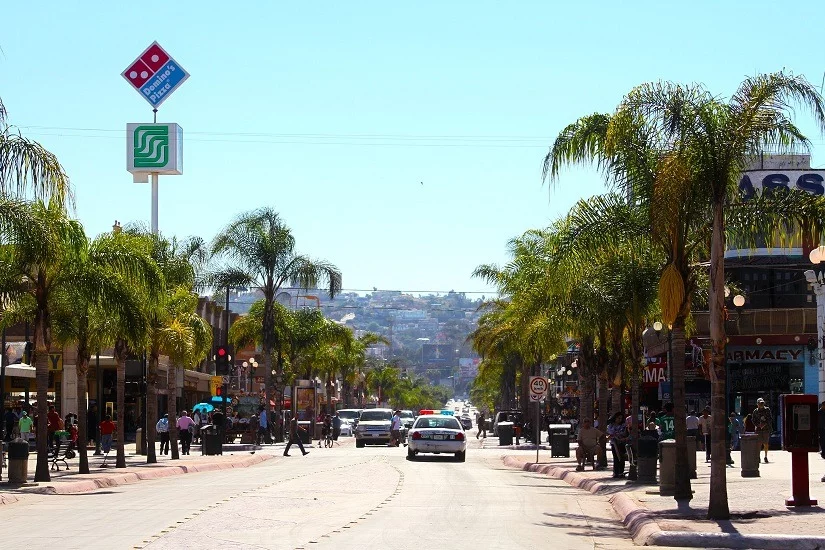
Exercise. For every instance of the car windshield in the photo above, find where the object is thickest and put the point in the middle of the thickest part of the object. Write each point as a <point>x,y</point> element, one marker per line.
<point>375,415</point>
<point>407,414</point>
<point>447,422</point>
<point>348,415</point>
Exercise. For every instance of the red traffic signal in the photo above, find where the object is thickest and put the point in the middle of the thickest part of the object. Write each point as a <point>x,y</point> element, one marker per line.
<point>221,351</point>
<point>219,391</point>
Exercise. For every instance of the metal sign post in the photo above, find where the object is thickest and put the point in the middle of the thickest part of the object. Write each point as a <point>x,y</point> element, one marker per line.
<point>538,390</point>
<point>154,149</point>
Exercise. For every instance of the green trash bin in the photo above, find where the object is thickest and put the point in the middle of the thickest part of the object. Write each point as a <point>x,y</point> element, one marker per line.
<point>505,433</point>
<point>211,443</point>
<point>305,435</point>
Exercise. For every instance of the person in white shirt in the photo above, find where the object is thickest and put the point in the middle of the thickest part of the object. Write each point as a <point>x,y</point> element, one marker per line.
<point>692,423</point>
<point>162,427</point>
<point>395,429</point>
<point>704,426</point>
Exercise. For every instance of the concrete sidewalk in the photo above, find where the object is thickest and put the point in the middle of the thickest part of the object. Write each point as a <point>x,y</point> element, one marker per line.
<point>760,518</point>
<point>70,481</point>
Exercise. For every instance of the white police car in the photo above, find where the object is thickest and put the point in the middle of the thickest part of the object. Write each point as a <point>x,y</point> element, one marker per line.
<point>437,434</point>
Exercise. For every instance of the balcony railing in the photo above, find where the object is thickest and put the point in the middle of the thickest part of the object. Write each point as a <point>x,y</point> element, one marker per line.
<point>762,321</point>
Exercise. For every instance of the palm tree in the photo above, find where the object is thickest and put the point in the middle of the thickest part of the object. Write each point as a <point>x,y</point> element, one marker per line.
<point>26,166</point>
<point>260,251</point>
<point>186,339</point>
<point>180,263</point>
<point>105,276</point>
<point>633,160</point>
<point>39,268</point>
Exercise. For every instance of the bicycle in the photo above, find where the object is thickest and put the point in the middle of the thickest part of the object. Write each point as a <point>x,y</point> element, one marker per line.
<point>328,441</point>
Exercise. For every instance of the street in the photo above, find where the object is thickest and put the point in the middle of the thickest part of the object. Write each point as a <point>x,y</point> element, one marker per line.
<point>334,498</point>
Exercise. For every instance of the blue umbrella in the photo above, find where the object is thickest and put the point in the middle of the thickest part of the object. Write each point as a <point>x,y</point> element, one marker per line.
<point>205,407</point>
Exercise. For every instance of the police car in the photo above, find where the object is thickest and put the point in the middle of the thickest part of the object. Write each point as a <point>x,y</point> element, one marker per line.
<point>437,432</point>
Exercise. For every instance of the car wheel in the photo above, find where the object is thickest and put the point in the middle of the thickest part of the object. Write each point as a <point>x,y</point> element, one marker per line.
<point>410,454</point>
<point>460,457</point>
<point>359,444</point>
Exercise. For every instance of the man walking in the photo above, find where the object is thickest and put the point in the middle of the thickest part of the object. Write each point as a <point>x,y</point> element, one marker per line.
<point>185,428</point>
<point>704,427</point>
<point>162,428</point>
<point>294,436</point>
<point>395,429</point>
<point>763,420</point>
<point>25,425</point>
<point>263,425</point>
<point>482,426</point>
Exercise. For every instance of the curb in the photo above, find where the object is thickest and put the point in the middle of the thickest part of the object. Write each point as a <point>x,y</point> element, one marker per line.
<point>646,531</point>
<point>126,478</point>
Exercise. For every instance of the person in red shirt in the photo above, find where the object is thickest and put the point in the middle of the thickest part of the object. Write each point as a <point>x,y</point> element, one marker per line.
<point>107,428</point>
<point>54,421</point>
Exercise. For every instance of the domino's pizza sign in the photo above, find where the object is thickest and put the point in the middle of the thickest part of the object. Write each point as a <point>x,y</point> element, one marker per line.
<point>155,75</point>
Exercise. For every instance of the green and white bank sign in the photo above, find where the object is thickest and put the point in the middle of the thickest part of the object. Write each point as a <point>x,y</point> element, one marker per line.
<point>153,148</point>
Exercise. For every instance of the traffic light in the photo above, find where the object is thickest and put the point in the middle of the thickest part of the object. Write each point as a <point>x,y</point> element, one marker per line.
<point>223,359</point>
<point>219,391</point>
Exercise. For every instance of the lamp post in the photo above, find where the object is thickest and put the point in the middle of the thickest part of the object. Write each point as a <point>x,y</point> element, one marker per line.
<point>817,281</point>
<point>657,326</point>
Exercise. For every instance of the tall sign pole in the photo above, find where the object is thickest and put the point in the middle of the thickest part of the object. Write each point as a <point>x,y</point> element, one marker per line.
<point>538,390</point>
<point>154,149</point>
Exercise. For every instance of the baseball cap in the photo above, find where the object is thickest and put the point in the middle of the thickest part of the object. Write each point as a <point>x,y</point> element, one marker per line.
<point>760,400</point>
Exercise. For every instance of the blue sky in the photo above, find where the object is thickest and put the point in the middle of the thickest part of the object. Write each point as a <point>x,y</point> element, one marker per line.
<point>401,142</point>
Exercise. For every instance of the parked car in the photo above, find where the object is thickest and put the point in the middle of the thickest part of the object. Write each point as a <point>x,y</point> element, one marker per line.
<point>466,421</point>
<point>349,420</point>
<point>373,427</point>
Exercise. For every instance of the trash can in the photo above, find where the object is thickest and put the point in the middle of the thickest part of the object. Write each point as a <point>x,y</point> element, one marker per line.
<point>211,443</point>
<point>646,462</point>
<point>559,440</point>
<point>306,433</point>
<point>505,433</point>
<point>749,455</point>
<point>18,461</point>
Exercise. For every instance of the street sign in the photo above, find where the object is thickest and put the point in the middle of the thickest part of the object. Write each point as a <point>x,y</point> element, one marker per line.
<point>155,75</point>
<point>538,388</point>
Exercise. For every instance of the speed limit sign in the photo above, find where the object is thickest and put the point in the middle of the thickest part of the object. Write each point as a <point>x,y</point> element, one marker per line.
<point>538,388</point>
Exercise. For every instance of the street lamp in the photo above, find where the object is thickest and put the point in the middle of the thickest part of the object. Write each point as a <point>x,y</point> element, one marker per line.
<point>817,282</point>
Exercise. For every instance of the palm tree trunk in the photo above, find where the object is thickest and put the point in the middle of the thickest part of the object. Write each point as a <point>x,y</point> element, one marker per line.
<point>172,408</point>
<point>677,357</point>
<point>120,356</point>
<point>718,498</point>
<point>587,366</point>
<point>42,343</point>
<point>603,404</point>
<point>82,407</point>
<point>151,405</point>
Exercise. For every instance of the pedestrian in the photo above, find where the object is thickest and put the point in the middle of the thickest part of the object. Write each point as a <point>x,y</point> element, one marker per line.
<point>617,432</point>
<point>482,426</point>
<point>692,426</point>
<point>395,429</point>
<point>763,420</point>
<point>749,425</point>
<point>734,430</point>
<point>263,425</point>
<point>822,429</point>
<point>336,426</point>
<point>185,428</point>
<point>326,431</point>
<point>294,437</point>
<point>162,428</point>
<point>25,425</point>
<point>704,427</point>
<point>666,423</point>
<point>107,428</point>
<point>54,425</point>
<point>198,421</point>
<point>92,426</point>
<point>730,423</point>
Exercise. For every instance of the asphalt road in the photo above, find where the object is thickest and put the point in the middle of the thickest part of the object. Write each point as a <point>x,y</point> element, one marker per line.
<point>334,498</point>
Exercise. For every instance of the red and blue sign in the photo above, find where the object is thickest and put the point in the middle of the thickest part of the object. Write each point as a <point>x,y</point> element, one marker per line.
<point>155,75</point>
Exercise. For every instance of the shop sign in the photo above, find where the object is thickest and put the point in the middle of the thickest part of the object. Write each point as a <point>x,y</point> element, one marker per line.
<point>55,362</point>
<point>766,354</point>
<point>744,378</point>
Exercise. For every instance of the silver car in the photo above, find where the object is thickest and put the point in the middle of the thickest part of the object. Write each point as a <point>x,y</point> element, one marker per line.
<point>373,427</point>
<point>436,433</point>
